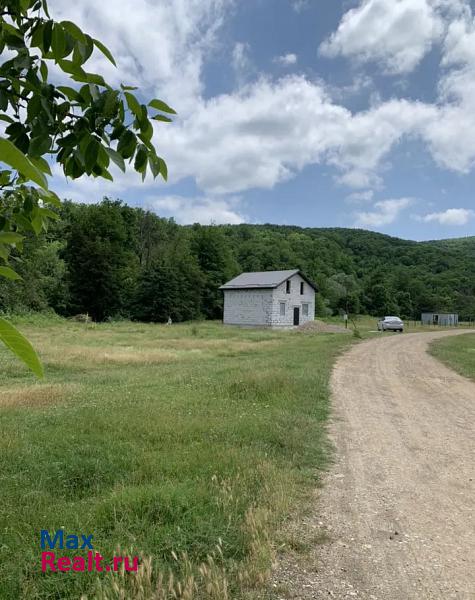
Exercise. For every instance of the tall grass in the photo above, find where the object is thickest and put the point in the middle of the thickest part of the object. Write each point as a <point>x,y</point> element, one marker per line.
<point>186,445</point>
<point>457,352</point>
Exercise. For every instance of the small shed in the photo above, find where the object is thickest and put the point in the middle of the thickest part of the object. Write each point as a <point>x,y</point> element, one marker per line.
<point>269,299</point>
<point>440,318</point>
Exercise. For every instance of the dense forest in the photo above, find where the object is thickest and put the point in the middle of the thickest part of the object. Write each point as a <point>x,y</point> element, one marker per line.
<point>113,261</point>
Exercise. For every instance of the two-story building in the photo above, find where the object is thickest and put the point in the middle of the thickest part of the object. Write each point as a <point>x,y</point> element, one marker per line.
<point>269,299</point>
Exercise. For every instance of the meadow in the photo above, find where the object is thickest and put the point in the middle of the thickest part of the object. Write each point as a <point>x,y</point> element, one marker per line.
<point>187,445</point>
<point>457,352</point>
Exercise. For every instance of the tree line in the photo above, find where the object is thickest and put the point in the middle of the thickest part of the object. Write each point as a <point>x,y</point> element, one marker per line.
<point>114,261</point>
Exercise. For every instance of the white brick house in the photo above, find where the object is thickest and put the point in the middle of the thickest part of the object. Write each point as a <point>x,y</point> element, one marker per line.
<point>269,299</point>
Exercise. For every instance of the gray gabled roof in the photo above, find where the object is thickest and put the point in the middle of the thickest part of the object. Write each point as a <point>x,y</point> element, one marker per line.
<point>263,279</point>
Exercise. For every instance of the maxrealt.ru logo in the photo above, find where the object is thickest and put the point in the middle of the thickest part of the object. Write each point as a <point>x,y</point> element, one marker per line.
<point>92,561</point>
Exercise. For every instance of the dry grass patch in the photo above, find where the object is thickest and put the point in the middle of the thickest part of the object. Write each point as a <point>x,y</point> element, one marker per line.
<point>169,351</point>
<point>90,355</point>
<point>34,395</point>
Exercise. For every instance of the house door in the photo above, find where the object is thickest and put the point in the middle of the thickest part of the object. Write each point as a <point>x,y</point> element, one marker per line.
<point>296,315</point>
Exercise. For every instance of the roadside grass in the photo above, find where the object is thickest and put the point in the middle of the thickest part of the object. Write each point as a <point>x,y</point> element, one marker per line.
<point>457,352</point>
<point>187,445</point>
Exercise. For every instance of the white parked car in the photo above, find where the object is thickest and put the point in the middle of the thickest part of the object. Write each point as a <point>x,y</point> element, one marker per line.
<point>391,324</point>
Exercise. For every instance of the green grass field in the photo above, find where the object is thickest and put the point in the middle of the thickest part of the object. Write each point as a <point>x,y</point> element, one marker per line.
<point>457,352</point>
<point>188,444</point>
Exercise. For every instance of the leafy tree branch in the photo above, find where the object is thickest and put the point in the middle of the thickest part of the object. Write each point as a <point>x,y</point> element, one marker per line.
<point>85,127</point>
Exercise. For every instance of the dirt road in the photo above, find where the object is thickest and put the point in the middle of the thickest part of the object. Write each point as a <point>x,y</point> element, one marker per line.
<point>398,504</point>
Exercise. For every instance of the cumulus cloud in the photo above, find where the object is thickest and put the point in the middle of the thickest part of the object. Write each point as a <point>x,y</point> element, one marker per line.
<point>197,210</point>
<point>396,33</point>
<point>451,216</point>
<point>385,212</point>
<point>286,59</point>
<point>267,131</point>
<point>159,46</point>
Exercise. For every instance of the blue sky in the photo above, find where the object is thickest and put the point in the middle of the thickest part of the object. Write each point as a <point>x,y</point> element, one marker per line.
<point>309,112</point>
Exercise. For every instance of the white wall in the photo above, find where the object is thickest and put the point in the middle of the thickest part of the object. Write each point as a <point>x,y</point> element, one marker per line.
<point>247,307</point>
<point>291,300</point>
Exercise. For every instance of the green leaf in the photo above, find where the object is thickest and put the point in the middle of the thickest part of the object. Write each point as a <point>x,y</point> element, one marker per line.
<point>10,237</point>
<point>70,93</point>
<point>105,51</point>
<point>50,197</point>
<point>160,105</point>
<point>128,87</point>
<point>42,164</point>
<point>105,173</point>
<point>37,224</point>
<point>83,50</point>
<point>103,159</point>
<point>90,78</point>
<point>163,169</point>
<point>133,104</point>
<point>47,35</point>
<point>127,143</point>
<point>91,154</point>
<point>39,145</point>
<point>74,31</point>
<point>44,4</point>
<point>37,36</point>
<point>12,156</point>
<point>154,163</point>
<point>58,42</point>
<point>49,214</point>
<point>158,166</point>
<point>68,66</point>
<point>116,158</point>
<point>9,273</point>
<point>5,177</point>
<point>161,118</point>
<point>140,164</point>
<point>44,71</point>
<point>20,346</point>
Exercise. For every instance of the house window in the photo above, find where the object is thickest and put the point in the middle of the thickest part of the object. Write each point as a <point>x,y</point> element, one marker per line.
<point>282,309</point>
<point>287,286</point>
<point>301,288</point>
<point>305,310</point>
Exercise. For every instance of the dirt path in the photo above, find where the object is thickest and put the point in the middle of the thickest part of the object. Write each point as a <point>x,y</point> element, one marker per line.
<point>398,504</point>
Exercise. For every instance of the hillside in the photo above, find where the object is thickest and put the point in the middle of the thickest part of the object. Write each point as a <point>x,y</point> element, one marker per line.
<point>112,260</point>
<point>379,273</point>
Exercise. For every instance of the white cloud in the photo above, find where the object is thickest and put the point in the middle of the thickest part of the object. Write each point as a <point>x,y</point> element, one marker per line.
<point>286,59</point>
<point>242,64</point>
<point>240,55</point>
<point>385,212</point>
<point>396,33</point>
<point>299,5</point>
<point>459,44</point>
<point>451,216</point>
<point>196,210</point>
<point>159,46</point>
<point>266,132</point>
<point>360,197</point>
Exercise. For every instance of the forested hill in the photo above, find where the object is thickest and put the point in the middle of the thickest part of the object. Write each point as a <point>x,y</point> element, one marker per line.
<point>111,260</point>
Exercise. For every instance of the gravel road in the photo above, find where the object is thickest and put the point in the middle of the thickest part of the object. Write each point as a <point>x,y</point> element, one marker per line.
<point>398,504</point>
